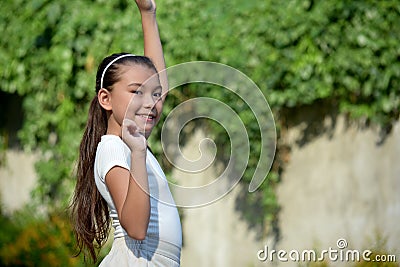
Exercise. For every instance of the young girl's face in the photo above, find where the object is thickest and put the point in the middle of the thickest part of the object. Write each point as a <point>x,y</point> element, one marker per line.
<point>137,96</point>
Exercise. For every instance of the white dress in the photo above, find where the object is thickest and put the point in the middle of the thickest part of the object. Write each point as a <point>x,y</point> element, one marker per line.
<point>163,242</point>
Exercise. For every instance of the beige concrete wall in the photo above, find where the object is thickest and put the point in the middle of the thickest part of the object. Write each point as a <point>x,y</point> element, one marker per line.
<point>341,185</point>
<point>338,185</point>
<point>214,235</point>
<point>17,179</point>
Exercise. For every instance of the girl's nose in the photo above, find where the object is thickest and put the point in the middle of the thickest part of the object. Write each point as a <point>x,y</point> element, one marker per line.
<point>149,101</point>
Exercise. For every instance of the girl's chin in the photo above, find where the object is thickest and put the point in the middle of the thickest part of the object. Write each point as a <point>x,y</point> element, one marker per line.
<point>146,132</point>
<point>145,128</point>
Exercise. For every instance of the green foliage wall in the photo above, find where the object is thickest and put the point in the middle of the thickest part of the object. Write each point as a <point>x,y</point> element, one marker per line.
<point>297,52</point>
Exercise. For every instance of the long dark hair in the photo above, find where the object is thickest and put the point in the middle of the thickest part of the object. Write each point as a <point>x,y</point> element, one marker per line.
<point>89,211</point>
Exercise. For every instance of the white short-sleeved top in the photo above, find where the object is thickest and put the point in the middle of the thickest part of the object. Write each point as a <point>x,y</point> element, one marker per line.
<point>164,221</point>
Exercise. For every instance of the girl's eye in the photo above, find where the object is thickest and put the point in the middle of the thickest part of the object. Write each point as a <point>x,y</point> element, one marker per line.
<point>137,92</point>
<point>157,94</point>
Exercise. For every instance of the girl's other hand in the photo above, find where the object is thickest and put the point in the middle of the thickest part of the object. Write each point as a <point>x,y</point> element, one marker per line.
<point>132,137</point>
<point>146,5</point>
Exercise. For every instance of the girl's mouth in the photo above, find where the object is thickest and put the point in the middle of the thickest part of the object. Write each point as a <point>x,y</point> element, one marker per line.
<point>147,118</point>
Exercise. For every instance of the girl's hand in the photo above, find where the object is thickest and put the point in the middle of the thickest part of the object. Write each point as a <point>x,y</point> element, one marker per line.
<point>132,137</point>
<point>146,5</point>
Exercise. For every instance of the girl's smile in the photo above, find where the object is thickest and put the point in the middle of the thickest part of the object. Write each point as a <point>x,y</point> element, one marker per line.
<point>137,96</point>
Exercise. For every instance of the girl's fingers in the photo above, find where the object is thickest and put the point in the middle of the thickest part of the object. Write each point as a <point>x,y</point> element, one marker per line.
<point>132,136</point>
<point>129,126</point>
<point>146,5</point>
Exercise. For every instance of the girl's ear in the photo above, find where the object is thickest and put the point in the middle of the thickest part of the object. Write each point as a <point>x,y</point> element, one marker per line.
<point>104,98</point>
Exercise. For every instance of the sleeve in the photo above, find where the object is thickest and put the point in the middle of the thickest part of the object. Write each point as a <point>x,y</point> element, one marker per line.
<point>110,154</point>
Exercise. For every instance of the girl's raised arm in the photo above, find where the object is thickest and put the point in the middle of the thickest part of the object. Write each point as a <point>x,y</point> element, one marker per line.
<point>152,43</point>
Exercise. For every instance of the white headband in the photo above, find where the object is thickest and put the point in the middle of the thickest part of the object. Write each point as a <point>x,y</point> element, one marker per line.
<point>109,64</point>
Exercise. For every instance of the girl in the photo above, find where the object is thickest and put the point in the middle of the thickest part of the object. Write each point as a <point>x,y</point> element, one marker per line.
<point>118,177</point>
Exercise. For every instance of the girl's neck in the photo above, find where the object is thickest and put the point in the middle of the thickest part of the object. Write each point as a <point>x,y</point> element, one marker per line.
<point>113,133</point>
<point>113,127</point>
